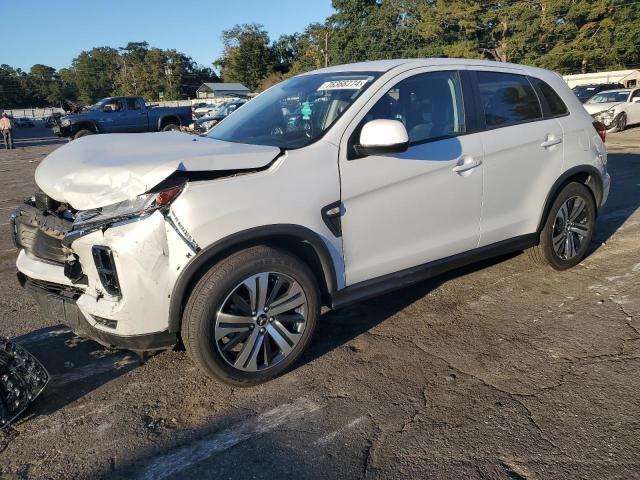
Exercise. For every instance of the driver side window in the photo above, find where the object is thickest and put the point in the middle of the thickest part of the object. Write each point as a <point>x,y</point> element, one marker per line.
<point>429,105</point>
<point>116,106</point>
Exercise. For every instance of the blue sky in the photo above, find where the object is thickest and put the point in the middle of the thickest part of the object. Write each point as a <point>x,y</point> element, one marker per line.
<point>54,32</point>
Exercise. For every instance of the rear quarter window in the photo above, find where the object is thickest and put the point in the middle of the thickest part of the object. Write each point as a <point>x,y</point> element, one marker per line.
<point>507,99</point>
<point>554,102</point>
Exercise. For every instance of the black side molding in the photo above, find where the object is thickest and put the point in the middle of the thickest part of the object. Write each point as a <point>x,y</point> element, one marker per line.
<point>331,215</point>
<point>394,281</point>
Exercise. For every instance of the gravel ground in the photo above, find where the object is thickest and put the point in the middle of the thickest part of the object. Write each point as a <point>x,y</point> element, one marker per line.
<point>500,370</point>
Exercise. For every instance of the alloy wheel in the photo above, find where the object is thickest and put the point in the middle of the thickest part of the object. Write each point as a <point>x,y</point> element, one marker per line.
<point>261,321</point>
<point>571,228</point>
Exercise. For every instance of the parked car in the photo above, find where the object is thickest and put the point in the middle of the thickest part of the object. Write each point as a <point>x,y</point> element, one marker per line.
<point>206,123</point>
<point>23,123</point>
<point>204,109</point>
<point>585,92</point>
<point>52,120</point>
<point>122,115</point>
<point>615,108</point>
<point>393,172</point>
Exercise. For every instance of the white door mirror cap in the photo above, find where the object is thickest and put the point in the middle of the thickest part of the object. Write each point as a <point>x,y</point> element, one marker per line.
<point>383,136</point>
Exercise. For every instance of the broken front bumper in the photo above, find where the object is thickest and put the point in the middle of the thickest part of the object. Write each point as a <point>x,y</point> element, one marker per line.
<point>59,303</point>
<point>112,285</point>
<point>22,378</point>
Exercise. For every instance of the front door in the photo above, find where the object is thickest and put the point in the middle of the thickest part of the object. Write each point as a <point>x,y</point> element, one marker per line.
<point>407,209</point>
<point>634,107</point>
<point>112,118</point>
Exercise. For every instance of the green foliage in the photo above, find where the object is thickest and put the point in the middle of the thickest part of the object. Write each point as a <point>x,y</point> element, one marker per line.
<point>135,69</point>
<point>247,57</point>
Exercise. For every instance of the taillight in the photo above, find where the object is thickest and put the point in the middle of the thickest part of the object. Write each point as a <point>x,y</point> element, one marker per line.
<point>601,129</point>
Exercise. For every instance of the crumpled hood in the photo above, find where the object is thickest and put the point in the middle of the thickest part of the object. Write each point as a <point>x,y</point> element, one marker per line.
<point>99,170</point>
<point>592,108</point>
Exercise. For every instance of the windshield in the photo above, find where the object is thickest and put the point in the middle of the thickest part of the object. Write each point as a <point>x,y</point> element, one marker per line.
<point>607,97</point>
<point>296,112</point>
<point>584,93</point>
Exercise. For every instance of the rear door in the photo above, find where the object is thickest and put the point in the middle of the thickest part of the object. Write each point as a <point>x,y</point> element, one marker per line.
<point>136,115</point>
<point>523,154</point>
<point>406,209</point>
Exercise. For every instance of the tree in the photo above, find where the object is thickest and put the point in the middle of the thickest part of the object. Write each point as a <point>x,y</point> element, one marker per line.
<point>247,56</point>
<point>93,73</point>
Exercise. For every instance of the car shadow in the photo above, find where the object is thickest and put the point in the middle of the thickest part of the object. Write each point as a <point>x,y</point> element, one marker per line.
<point>35,137</point>
<point>624,197</point>
<point>76,366</point>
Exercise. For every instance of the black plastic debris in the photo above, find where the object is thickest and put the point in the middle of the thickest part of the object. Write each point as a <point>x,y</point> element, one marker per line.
<point>22,378</point>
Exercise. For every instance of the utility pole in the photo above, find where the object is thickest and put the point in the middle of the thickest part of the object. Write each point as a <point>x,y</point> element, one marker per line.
<point>168,71</point>
<point>326,49</point>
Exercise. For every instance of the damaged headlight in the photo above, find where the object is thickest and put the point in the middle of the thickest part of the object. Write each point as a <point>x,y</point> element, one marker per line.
<point>136,207</point>
<point>66,122</point>
<point>605,116</point>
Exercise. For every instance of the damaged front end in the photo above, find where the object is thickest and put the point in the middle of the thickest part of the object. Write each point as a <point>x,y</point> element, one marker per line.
<point>22,378</point>
<point>107,272</point>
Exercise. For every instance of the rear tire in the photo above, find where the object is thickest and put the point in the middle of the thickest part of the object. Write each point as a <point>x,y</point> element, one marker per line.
<point>568,229</point>
<point>244,337</point>
<point>83,133</point>
<point>170,127</point>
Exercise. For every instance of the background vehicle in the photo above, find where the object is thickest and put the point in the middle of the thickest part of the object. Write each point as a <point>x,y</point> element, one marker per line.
<point>204,109</point>
<point>206,123</point>
<point>585,92</point>
<point>615,108</point>
<point>329,188</point>
<point>23,123</point>
<point>122,115</point>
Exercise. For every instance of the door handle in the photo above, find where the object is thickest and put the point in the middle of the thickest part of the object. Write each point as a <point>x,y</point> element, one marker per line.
<point>550,142</point>
<point>463,167</point>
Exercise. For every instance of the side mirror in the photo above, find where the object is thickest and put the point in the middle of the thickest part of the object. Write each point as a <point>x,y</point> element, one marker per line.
<point>380,137</point>
<point>635,100</point>
<point>107,108</point>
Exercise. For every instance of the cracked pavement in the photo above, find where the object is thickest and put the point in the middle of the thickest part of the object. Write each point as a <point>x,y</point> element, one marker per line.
<point>499,370</point>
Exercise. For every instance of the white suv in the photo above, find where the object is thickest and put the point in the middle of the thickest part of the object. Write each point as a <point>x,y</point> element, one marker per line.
<point>327,189</point>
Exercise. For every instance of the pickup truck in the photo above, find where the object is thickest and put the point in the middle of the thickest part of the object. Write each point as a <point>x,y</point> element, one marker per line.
<point>122,115</point>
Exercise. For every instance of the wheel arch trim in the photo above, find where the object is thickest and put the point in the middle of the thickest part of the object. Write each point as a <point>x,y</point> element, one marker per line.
<point>168,116</point>
<point>593,182</point>
<point>213,252</point>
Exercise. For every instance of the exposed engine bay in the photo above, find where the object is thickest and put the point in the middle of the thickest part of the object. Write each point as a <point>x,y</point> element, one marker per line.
<point>22,379</point>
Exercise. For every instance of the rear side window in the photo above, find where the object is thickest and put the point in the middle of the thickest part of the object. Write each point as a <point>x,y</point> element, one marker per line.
<point>555,103</point>
<point>133,104</point>
<point>507,99</point>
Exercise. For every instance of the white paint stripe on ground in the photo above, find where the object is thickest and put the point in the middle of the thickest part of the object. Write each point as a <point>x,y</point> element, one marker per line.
<point>330,436</point>
<point>167,465</point>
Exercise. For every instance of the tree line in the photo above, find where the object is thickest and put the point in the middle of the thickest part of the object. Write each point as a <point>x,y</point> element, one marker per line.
<point>136,69</point>
<point>568,36</point>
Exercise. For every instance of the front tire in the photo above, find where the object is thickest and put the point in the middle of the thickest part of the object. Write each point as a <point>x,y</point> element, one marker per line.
<point>170,127</point>
<point>83,133</point>
<point>621,122</point>
<point>568,229</point>
<point>251,316</point>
